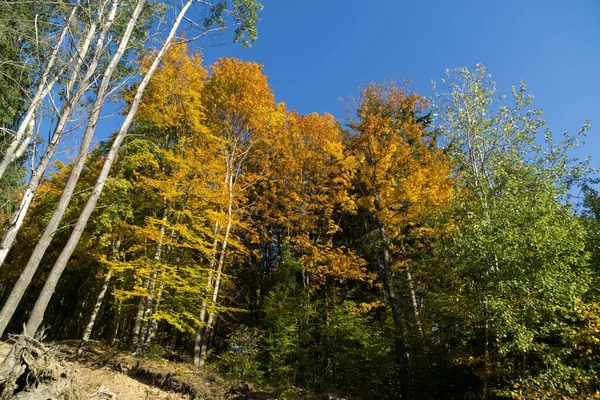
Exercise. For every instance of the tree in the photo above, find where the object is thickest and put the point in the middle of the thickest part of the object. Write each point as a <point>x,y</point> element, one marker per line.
<point>18,217</point>
<point>245,12</point>
<point>515,259</point>
<point>400,174</point>
<point>241,112</point>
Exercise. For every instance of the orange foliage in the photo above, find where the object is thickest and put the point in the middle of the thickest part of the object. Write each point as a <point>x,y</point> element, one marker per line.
<point>401,173</point>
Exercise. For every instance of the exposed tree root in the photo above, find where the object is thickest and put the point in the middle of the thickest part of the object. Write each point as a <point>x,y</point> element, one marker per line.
<point>31,371</point>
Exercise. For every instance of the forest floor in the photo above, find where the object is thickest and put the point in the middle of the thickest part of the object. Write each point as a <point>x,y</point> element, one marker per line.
<point>105,373</point>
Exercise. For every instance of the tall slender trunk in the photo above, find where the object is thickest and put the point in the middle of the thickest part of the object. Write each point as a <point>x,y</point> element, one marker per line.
<point>486,355</point>
<point>117,325</point>
<point>413,298</point>
<point>400,348</point>
<point>213,333</point>
<point>200,331</point>
<point>139,315</point>
<point>44,241</point>
<point>22,137</point>
<point>145,305</point>
<point>153,324</point>
<point>90,326</point>
<point>18,217</point>
<point>41,304</point>
<point>218,276</point>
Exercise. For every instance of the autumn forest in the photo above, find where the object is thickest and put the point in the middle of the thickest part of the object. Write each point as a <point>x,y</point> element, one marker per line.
<point>439,247</point>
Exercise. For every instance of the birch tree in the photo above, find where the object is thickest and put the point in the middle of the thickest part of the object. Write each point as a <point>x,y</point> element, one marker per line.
<point>70,101</point>
<point>516,259</point>
<point>244,15</point>
<point>44,241</point>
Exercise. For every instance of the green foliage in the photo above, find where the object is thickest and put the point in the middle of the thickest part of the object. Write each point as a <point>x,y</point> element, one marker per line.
<point>515,257</point>
<point>16,38</point>
<point>495,272</point>
<point>240,361</point>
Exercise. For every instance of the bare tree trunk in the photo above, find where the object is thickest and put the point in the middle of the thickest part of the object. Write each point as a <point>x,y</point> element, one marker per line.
<point>28,272</point>
<point>18,217</point>
<point>200,331</point>
<point>145,306</point>
<point>118,322</point>
<point>486,355</point>
<point>213,333</point>
<point>22,136</point>
<point>41,304</point>
<point>153,324</point>
<point>413,298</point>
<point>90,326</point>
<point>218,276</point>
<point>400,348</point>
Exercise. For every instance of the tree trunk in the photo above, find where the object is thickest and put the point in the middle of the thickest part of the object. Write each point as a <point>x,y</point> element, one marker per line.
<point>41,304</point>
<point>153,324</point>
<point>486,355</point>
<point>145,305</point>
<point>218,276</point>
<point>400,348</point>
<point>90,326</point>
<point>42,245</point>
<point>43,89</point>
<point>17,218</point>
<point>200,331</point>
<point>413,298</point>
<point>117,325</point>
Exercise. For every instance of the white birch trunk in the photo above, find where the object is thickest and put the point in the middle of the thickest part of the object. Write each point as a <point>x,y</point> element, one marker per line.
<point>18,217</point>
<point>200,331</point>
<point>41,304</point>
<point>90,326</point>
<point>413,298</point>
<point>28,272</point>
<point>209,323</point>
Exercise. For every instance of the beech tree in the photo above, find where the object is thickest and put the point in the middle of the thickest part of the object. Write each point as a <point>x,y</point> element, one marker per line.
<point>400,174</point>
<point>241,112</point>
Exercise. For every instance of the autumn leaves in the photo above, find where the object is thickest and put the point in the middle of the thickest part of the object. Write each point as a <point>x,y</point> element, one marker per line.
<point>220,170</point>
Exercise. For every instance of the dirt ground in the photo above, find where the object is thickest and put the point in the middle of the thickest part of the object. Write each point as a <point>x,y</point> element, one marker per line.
<point>105,373</point>
<point>89,380</point>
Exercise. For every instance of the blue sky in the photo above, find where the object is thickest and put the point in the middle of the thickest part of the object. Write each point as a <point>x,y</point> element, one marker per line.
<point>316,52</point>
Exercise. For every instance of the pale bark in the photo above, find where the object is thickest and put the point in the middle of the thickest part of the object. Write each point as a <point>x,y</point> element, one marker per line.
<point>152,326</point>
<point>90,326</point>
<point>41,304</point>
<point>18,217</point>
<point>22,138</point>
<point>413,298</point>
<point>28,272</point>
<point>211,315</point>
<point>146,304</point>
<point>114,334</point>
<point>200,331</point>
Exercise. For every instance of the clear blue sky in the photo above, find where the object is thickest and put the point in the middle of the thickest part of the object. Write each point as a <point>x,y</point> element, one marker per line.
<point>317,51</point>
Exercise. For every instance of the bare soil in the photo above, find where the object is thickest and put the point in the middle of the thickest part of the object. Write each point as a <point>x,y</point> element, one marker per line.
<point>104,373</point>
